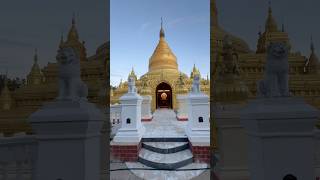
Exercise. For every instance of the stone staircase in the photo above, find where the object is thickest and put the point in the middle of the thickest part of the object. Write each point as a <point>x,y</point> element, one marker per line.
<point>165,153</point>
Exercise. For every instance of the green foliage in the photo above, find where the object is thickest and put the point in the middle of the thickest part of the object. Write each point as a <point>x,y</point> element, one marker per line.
<point>13,84</point>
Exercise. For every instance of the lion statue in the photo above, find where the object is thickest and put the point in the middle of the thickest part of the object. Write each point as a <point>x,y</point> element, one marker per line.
<point>71,87</point>
<point>131,85</point>
<point>276,72</point>
<point>196,83</point>
<point>230,60</point>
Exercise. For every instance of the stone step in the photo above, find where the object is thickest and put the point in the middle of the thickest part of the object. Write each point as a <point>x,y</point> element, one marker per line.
<point>165,147</point>
<point>187,172</point>
<point>165,139</point>
<point>163,113</point>
<point>165,161</point>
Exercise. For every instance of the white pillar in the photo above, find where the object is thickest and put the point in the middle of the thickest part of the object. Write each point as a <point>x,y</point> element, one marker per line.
<point>68,134</point>
<point>280,138</point>
<point>198,128</point>
<point>146,108</point>
<point>182,113</point>
<point>131,130</point>
<point>232,142</point>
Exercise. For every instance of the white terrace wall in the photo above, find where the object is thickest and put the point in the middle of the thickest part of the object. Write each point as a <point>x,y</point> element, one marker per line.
<point>317,150</point>
<point>17,156</point>
<point>115,118</point>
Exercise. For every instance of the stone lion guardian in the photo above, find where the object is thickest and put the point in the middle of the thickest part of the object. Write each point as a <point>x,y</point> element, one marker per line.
<point>276,72</point>
<point>71,87</point>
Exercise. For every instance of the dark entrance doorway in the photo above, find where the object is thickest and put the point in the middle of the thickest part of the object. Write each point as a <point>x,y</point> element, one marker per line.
<point>164,96</point>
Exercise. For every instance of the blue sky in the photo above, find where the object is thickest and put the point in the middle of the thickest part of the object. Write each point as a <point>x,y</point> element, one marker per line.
<point>134,34</point>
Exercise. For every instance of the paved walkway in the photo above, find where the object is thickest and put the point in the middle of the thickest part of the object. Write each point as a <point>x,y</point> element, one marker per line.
<point>164,124</point>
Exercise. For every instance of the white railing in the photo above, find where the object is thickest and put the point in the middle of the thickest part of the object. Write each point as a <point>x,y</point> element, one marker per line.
<point>17,156</point>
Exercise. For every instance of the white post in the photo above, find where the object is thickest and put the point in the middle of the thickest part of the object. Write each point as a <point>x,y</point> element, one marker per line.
<point>182,113</point>
<point>280,137</point>
<point>146,108</point>
<point>68,134</point>
<point>68,129</point>
<point>131,130</point>
<point>198,128</point>
<point>232,142</point>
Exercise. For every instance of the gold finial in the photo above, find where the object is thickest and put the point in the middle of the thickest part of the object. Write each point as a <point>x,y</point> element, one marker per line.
<point>271,25</point>
<point>259,33</point>
<point>312,45</point>
<point>73,19</point>
<point>270,9</point>
<point>120,84</point>
<point>195,68</point>
<point>161,29</point>
<point>35,55</point>
<point>61,41</point>
<point>73,34</point>
<point>132,74</point>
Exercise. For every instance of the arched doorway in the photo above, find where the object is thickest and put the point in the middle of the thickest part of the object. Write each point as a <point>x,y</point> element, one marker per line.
<point>164,96</point>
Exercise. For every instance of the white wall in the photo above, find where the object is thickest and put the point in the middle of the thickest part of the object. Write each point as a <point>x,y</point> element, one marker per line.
<point>17,156</point>
<point>115,118</point>
<point>317,150</point>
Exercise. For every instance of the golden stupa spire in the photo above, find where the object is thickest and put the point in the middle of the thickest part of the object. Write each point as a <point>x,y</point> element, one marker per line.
<point>73,33</point>
<point>194,71</point>
<point>312,64</point>
<point>162,57</point>
<point>271,25</point>
<point>61,41</point>
<point>35,57</point>
<point>35,76</point>
<point>162,35</point>
<point>120,84</point>
<point>312,45</point>
<point>313,59</point>
<point>133,74</point>
<point>35,67</point>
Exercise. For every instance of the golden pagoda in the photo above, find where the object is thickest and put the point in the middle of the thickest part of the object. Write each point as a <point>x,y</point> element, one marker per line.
<point>42,84</point>
<point>35,77</point>
<point>163,78</point>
